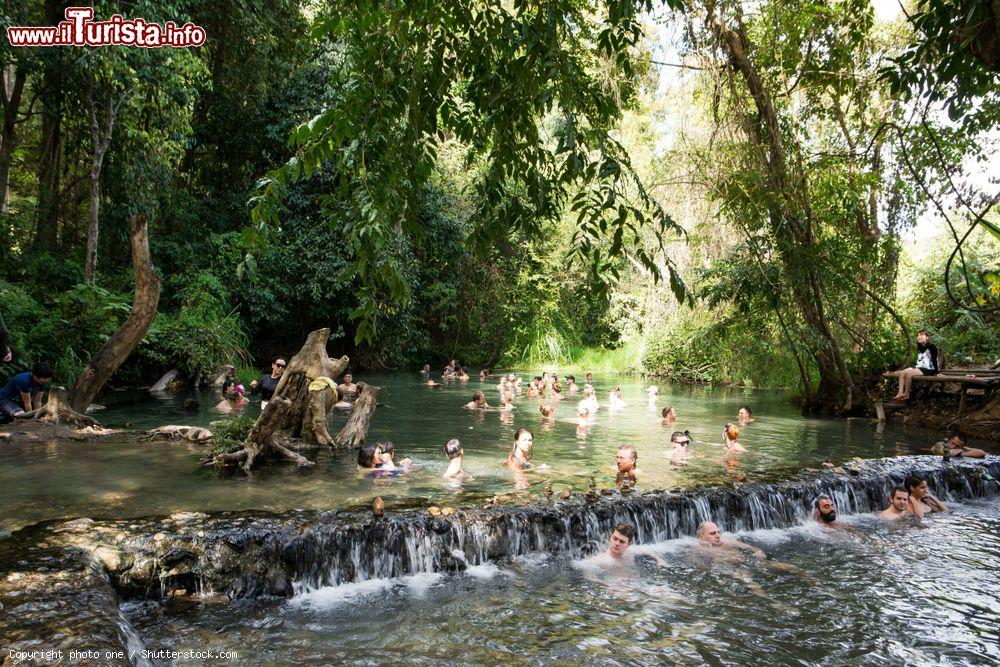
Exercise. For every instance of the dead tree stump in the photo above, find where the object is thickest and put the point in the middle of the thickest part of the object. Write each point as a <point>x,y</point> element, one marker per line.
<point>356,429</point>
<point>57,409</point>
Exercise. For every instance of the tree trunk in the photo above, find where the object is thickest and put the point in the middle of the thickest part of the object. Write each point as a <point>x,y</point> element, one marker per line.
<point>101,140</point>
<point>57,409</point>
<point>315,428</point>
<point>111,355</point>
<point>356,429</point>
<point>51,145</point>
<point>13,86</point>
<point>292,410</point>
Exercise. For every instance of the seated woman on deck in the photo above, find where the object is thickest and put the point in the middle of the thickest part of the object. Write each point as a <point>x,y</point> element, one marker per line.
<point>927,364</point>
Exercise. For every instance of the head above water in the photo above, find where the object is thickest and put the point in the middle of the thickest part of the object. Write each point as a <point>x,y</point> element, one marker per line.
<point>582,411</point>
<point>367,454</point>
<point>479,398</point>
<point>523,441</point>
<point>899,498</point>
<point>709,533</point>
<point>917,486</point>
<point>388,449</point>
<point>744,412</point>
<point>621,540</point>
<point>826,511</point>
<point>669,413</point>
<point>732,432</point>
<point>680,438</point>
<point>570,379</point>
<point>626,457</point>
<point>546,410</point>
<point>453,448</point>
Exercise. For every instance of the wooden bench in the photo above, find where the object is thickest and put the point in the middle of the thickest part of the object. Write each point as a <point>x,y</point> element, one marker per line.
<point>987,380</point>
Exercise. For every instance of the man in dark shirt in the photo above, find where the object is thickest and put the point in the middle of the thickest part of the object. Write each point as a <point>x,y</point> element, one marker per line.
<point>26,387</point>
<point>268,382</point>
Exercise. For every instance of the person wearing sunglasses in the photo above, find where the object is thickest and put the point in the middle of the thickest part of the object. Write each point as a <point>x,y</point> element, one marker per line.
<point>268,382</point>
<point>680,442</point>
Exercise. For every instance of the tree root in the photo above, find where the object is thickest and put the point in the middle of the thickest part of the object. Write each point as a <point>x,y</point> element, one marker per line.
<point>57,410</point>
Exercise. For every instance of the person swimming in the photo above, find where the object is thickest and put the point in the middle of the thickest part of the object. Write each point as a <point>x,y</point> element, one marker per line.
<point>668,415</point>
<point>922,502</point>
<point>615,401</point>
<point>386,463</point>
<point>571,385</point>
<point>369,455</point>
<point>626,473</point>
<point>478,401</point>
<point>519,457</point>
<point>730,436</point>
<point>234,400</point>
<point>456,455</point>
<point>652,393</point>
<point>547,411</point>
<point>744,415</point>
<point>679,455</point>
<point>590,399</point>
<point>899,505</point>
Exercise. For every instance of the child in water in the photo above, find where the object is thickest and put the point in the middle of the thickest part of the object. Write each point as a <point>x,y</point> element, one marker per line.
<point>387,464</point>
<point>453,450</point>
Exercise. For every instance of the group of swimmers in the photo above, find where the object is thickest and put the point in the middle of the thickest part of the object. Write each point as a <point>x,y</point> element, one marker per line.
<point>912,501</point>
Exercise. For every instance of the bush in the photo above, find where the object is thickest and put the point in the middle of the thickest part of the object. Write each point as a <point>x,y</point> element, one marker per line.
<point>229,435</point>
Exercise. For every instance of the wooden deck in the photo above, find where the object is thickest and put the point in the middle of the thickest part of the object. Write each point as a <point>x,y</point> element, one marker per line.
<point>967,378</point>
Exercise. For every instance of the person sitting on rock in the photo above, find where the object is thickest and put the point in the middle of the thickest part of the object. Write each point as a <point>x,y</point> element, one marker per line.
<point>956,447</point>
<point>26,387</point>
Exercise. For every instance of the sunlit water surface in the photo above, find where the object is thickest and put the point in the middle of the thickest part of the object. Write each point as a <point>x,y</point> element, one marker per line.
<point>906,595</point>
<point>122,479</point>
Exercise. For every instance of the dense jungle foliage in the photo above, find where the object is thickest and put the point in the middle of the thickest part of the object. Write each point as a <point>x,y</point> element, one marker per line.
<point>772,193</point>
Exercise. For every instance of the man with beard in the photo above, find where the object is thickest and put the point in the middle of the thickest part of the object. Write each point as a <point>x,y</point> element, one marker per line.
<point>826,514</point>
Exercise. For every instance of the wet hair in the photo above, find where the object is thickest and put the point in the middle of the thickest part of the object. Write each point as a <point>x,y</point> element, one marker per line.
<point>897,489</point>
<point>570,378</point>
<point>819,498</point>
<point>517,436</point>
<point>453,448</point>
<point>630,450</point>
<point>626,530</point>
<point>41,371</point>
<point>732,431</point>
<point>914,480</point>
<point>666,411</point>
<point>747,408</point>
<point>702,527</point>
<point>677,435</point>
<point>556,387</point>
<point>386,446</point>
<point>478,395</point>
<point>366,454</point>
<point>538,378</point>
<point>545,410</point>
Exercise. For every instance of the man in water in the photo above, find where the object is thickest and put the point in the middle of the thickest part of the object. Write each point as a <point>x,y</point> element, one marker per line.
<point>625,460</point>
<point>620,541</point>
<point>710,538</point>
<point>348,386</point>
<point>956,447</point>
<point>898,508</point>
<point>826,513</point>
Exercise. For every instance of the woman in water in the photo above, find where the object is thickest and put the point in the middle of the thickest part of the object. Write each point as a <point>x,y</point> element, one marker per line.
<point>520,454</point>
<point>590,399</point>
<point>478,401</point>
<point>927,364</point>
<point>453,450</point>
<point>615,401</point>
<point>921,500</point>
<point>730,437</point>
<point>369,455</point>
<point>507,400</point>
